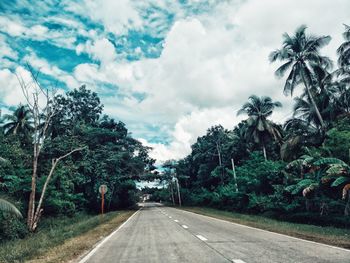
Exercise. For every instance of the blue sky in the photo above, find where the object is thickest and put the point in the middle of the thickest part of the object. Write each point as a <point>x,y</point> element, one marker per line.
<point>168,69</point>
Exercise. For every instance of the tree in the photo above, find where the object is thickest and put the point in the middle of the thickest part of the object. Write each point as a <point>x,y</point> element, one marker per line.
<point>258,127</point>
<point>42,113</point>
<point>344,49</point>
<point>19,122</point>
<point>301,54</point>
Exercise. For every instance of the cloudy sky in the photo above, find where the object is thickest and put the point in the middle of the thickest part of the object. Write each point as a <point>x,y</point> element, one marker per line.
<point>169,69</point>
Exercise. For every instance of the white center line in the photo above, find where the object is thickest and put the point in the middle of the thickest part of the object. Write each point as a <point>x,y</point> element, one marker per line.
<point>201,237</point>
<point>184,226</point>
<point>170,217</point>
<point>237,261</point>
<point>177,221</point>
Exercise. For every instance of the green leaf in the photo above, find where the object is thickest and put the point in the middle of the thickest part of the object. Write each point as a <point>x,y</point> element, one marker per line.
<point>328,161</point>
<point>7,207</point>
<point>340,180</point>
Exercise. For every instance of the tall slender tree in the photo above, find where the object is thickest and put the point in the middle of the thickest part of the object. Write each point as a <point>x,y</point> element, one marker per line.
<point>258,127</point>
<point>301,56</point>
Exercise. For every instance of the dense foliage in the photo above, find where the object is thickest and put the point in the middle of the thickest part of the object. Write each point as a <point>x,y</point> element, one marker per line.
<point>111,156</point>
<point>297,171</point>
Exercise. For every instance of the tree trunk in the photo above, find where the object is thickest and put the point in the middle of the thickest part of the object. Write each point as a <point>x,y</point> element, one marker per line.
<point>172,192</point>
<point>31,203</point>
<point>313,102</point>
<point>35,217</point>
<point>347,207</point>
<point>220,163</point>
<point>308,204</point>
<point>264,151</point>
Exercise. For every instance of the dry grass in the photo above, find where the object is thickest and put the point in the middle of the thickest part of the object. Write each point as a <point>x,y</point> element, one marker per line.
<point>74,248</point>
<point>328,235</point>
<point>62,239</point>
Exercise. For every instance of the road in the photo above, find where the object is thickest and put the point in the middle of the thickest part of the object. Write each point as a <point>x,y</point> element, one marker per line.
<point>162,234</point>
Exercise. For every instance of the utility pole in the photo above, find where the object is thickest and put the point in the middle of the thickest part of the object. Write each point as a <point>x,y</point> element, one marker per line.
<point>234,174</point>
<point>178,190</point>
<point>172,192</point>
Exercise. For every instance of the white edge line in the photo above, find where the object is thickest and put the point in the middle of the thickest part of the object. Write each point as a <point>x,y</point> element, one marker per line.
<point>184,226</point>
<point>177,221</point>
<point>89,255</point>
<point>263,230</point>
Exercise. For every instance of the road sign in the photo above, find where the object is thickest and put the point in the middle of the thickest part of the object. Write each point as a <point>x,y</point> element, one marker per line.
<point>103,189</point>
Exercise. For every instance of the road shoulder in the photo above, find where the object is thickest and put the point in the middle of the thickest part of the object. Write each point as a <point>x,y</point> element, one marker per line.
<point>73,249</point>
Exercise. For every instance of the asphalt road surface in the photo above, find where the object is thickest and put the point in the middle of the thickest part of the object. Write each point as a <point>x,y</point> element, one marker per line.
<point>162,234</point>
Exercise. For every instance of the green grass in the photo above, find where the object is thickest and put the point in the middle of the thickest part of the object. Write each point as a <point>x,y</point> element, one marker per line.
<point>327,235</point>
<point>52,232</point>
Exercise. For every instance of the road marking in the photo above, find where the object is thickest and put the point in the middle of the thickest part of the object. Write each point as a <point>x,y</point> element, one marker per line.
<point>201,237</point>
<point>263,230</point>
<point>89,255</point>
<point>237,261</point>
<point>177,221</point>
<point>184,226</point>
<point>170,217</point>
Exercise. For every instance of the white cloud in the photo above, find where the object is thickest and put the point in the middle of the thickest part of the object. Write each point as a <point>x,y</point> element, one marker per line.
<point>46,68</point>
<point>209,65</point>
<point>116,16</point>
<point>100,49</point>
<point>6,50</point>
<point>217,60</point>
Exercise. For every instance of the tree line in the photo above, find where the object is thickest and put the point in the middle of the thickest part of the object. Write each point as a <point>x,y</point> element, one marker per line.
<point>298,170</point>
<point>55,157</point>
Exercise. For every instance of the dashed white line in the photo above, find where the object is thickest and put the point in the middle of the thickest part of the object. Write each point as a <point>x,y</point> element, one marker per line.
<point>201,237</point>
<point>184,226</point>
<point>237,261</point>
<point>177,221</point>
<point>170,217</point>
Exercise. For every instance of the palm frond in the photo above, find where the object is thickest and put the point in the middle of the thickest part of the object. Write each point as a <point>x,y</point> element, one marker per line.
<point>7,207</point>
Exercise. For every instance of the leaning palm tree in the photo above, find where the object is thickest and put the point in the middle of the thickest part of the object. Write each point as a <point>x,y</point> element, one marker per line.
<point>258,127</point>
<point>300,55</point>
<point>19,121</point>
<point>7,207</point>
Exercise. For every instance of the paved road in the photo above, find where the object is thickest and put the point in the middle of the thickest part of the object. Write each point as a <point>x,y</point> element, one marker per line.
<point>163,234</point>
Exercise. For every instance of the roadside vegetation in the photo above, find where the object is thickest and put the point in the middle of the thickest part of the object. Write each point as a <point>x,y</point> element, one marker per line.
<point>55,152</point>
<point>297,171</point>
<point>60,239</point>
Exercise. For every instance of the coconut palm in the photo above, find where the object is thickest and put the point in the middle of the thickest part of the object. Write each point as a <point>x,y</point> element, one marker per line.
<point>344,49</point>
<point>258,127</point>
<point>300,54</point>
<point>19,121</point>
<point>7,207</point>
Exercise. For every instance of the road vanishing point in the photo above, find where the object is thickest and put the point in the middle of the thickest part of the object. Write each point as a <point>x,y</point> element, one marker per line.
<point>156,233</point>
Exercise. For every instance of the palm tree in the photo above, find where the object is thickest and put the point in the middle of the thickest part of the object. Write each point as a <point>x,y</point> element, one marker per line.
<point>344,49</point>
<point>300,53</point>
<point>19,121</point>
<point>258,127</point>
<point>7,207</point>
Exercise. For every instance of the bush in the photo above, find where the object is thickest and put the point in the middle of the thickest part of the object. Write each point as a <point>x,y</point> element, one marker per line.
<point>12,228</point>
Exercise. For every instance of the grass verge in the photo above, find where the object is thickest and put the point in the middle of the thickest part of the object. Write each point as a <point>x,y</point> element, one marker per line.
<point>328,235</point>
<point>62,239</point>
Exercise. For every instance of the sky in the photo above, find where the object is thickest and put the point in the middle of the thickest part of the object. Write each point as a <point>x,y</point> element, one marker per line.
<point>168,69</point>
